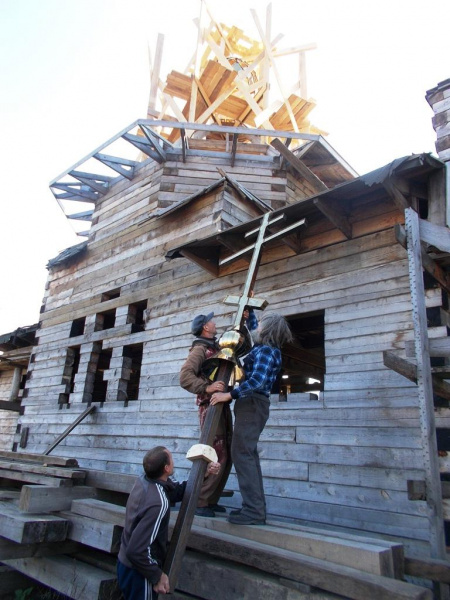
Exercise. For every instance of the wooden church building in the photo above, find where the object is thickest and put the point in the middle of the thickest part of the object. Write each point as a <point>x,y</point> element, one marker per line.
<point>358,432</point>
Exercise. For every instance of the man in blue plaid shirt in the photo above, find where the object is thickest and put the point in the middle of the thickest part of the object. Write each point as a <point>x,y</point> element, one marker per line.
<point>251,411</point>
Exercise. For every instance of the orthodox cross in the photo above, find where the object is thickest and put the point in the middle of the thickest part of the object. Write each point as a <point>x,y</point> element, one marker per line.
<point>185,518</point>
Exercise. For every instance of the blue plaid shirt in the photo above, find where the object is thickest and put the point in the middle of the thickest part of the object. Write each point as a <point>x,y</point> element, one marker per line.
<point>261,366</point>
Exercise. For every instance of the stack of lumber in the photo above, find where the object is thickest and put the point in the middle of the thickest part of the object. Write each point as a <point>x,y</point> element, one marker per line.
<point>73,550</point>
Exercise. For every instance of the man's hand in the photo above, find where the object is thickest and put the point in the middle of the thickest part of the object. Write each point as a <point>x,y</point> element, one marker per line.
<point>216,386</point>
<point>220,397</point>
<point>163,586</point>
<point>213,468</point>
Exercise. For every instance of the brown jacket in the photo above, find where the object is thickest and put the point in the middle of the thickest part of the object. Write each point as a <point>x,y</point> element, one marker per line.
<point>191,377</point>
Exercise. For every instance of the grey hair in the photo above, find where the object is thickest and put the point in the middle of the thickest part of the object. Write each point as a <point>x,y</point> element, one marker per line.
<point>273,330</point>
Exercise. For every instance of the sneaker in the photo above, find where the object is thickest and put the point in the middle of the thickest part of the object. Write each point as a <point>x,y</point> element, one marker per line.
<point>236,511</point>
<point>217,508</point>
<point>205,511</point>
<point>241,519</point>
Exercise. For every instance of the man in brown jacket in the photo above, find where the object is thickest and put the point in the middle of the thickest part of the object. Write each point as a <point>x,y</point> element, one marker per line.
<point>195,381</point>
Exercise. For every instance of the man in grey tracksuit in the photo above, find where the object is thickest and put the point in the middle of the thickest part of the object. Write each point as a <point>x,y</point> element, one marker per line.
<point>144,541</point>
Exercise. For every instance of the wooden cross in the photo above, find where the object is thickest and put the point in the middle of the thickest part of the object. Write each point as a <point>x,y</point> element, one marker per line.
<point>180,534</point>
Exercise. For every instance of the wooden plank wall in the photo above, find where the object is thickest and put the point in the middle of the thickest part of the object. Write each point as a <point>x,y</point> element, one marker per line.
<point>8,419</point>
<point>342,460</point>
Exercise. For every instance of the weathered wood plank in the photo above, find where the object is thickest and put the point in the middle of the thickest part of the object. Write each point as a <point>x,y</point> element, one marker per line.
<point>92,532</point>
<point>10,549</point>
<point>70,577</point>
<point>428,568</point>
<point>41,498</point>
<point>97,509</point>
<point>27,529</point>
<point>368,556</point>
<point>347,581</point>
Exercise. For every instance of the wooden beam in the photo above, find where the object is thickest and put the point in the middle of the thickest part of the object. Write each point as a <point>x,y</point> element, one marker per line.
<point>118,164</point>
<point>338,579</point>
<point>45,498</point>
<point>155,70</point>
<point>39,458</point>
<point>70,577</point>
<point>234,148</point>
<point>428,568</point>
<point>337,219</point>
<point>425,388</point>
<point>435,235</point>
<point>9,405</point>
<point>396,195</point>
<point>441,276</point>
<point>31,529</point>
<point>10,549</point>
<point>143,145</point>
<point>202,262</point>
<point>153,140</point>
<point>298,165</point>
<point>66,432</point>
<point>409,370</point>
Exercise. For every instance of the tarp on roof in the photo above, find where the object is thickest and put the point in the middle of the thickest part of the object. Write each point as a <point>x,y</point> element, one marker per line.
<point>69,253</point>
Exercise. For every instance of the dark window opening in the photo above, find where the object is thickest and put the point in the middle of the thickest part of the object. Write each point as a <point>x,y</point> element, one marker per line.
<point>303,367</point>
<point>101,385</point>
<point>105,320</point>
<point>70,370</point>
<point>133,360</point>
<point>77,327</point>
<point>110,295</point>
<point>136,313</point>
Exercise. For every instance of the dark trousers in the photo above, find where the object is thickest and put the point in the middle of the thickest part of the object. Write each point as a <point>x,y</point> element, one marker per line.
<point>213,485</point>
<point>133,585</point>
<point>251,415</point>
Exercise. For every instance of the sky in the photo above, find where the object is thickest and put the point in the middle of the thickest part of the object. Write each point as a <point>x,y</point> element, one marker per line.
<point>73,73</point>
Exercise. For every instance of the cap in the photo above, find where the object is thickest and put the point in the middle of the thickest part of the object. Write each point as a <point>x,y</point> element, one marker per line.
<point>199,321</point>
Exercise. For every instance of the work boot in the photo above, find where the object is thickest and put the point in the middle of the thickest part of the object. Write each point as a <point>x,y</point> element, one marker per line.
<point>217,508</point>
<point>204,511</point>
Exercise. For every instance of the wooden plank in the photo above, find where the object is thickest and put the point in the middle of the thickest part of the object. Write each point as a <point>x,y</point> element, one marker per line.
<point>298,165</point>
<point>35,478</point>
<point>70,577</point>
<point>10,549</point>
<point>26,529</point>
<point>428,568</point>
<point>369,557</point>
<point>97,509</point>
<point>59,439</point>
<point>42,498</point>
<point>336,217</point>
<point>66,473</point>
<point>108,480</point>
<point>435,235</point>
<point>92,532</point>
<point>346,581</point>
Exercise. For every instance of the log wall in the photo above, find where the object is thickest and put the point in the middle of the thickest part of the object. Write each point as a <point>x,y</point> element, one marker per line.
<point>343,459</point>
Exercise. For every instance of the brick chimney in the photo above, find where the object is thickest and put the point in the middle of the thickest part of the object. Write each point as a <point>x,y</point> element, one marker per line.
<point>439,100</point>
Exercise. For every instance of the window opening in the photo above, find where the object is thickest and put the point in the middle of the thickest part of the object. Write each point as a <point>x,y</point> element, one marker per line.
<point>303,367</point>
<point>70,370</point>
<point>110,295</point>
<point>134,354</point>
<point>136,313</point>
<point>77,327</point>
<point>105,320</point>
<point>101,385</point>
